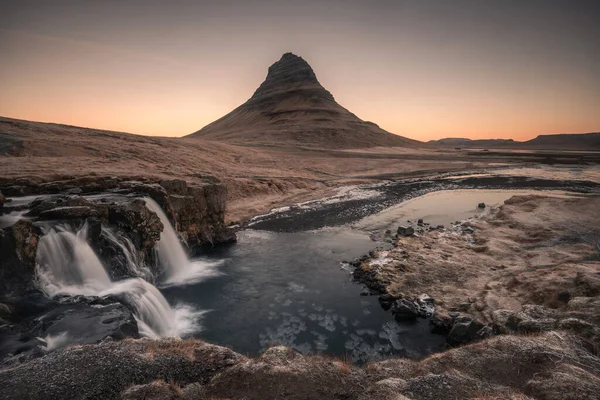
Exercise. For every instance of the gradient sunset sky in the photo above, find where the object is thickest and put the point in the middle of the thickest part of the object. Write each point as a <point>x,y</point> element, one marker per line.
<point>422,69</point>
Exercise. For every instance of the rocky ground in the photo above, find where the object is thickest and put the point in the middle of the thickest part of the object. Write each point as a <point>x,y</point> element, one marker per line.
<point>532,266</point>
<point>551,365</point>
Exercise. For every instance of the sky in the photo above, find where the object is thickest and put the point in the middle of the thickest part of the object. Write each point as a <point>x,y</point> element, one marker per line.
<point>423,69</point>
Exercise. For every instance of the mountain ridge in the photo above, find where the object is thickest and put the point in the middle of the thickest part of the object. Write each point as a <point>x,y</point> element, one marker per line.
<point>566,141</point>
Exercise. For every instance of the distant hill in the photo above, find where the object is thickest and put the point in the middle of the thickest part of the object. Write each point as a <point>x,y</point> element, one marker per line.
<point>292,108</point>
<point>581,141</point>
<point>561,141</point>
<point>463,142</point>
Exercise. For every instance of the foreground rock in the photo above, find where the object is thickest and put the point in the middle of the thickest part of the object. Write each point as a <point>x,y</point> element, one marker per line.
<point>532,266</point>
<point>35,325</point>
<point>554,365</point>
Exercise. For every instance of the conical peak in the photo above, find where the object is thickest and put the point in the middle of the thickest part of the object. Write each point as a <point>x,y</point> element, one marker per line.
<point>293,69</point>
<point>290,73</point>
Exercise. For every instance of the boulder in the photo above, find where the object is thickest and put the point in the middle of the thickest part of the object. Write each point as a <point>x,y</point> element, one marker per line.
<point>406,231</point>
<point>481,205</point>
<point>386,300</point>
<point>426,305</point>
<point>464,330</point>
<point>405,309</point>
<point>505,321</point>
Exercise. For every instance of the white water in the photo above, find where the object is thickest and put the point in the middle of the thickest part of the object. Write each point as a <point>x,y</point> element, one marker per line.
<point>179,269</point>
<point>66,264</point>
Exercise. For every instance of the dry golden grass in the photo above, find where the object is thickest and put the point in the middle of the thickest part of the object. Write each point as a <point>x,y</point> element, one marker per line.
<point>183,347</point>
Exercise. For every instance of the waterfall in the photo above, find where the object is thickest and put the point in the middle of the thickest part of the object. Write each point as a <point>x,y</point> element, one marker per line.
<point>69,265</point>
<point>66,264</point>
<point>128,249</point>
<point>178,268</point>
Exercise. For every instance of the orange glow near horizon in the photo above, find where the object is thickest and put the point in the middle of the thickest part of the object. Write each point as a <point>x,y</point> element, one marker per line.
<point>413,72</point>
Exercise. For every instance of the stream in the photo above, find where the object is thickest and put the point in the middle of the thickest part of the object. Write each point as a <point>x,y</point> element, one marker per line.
<point>284,282</point>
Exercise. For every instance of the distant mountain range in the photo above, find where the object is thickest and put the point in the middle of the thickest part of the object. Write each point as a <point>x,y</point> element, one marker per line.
<point>291,108</point>
<point>561,141</point>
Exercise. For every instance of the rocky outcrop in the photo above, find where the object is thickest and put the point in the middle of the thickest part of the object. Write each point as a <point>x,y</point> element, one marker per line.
<point>199,211</point>
<point>196,210</point>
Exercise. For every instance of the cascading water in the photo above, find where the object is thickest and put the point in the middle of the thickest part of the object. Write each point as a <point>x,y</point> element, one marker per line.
<point>128,249</point>
<point>179,269</point>
<point>66,264</point>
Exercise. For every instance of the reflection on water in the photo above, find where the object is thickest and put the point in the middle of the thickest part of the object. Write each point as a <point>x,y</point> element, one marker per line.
<point>444,207</point>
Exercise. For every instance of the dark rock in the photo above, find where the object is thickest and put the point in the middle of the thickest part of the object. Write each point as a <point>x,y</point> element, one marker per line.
<point>536,325</point>
<point>481,205</point>
<point>59,323</point>
<point>199,211</point>
<point>18,246</point>
<point>578,326</point>
<point>386,300</point>
<point>44,207</point>
<point>26,237</point>
<point>440,323</point>
<point>464,330</point>
<point>420,221</point>
<point>505,321</point>
<point>73,212</point>
<point>406,231</point>
<point>405,309</point>
<point>94,228</point>
<point>2,201</point>
<point>135,218</point>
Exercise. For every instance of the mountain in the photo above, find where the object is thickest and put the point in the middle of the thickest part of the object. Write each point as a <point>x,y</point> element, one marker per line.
<point>560,141</point>
<point>292,108</point>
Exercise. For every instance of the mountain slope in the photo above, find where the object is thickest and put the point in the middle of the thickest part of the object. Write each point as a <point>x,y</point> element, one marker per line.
<point>292,108</point>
